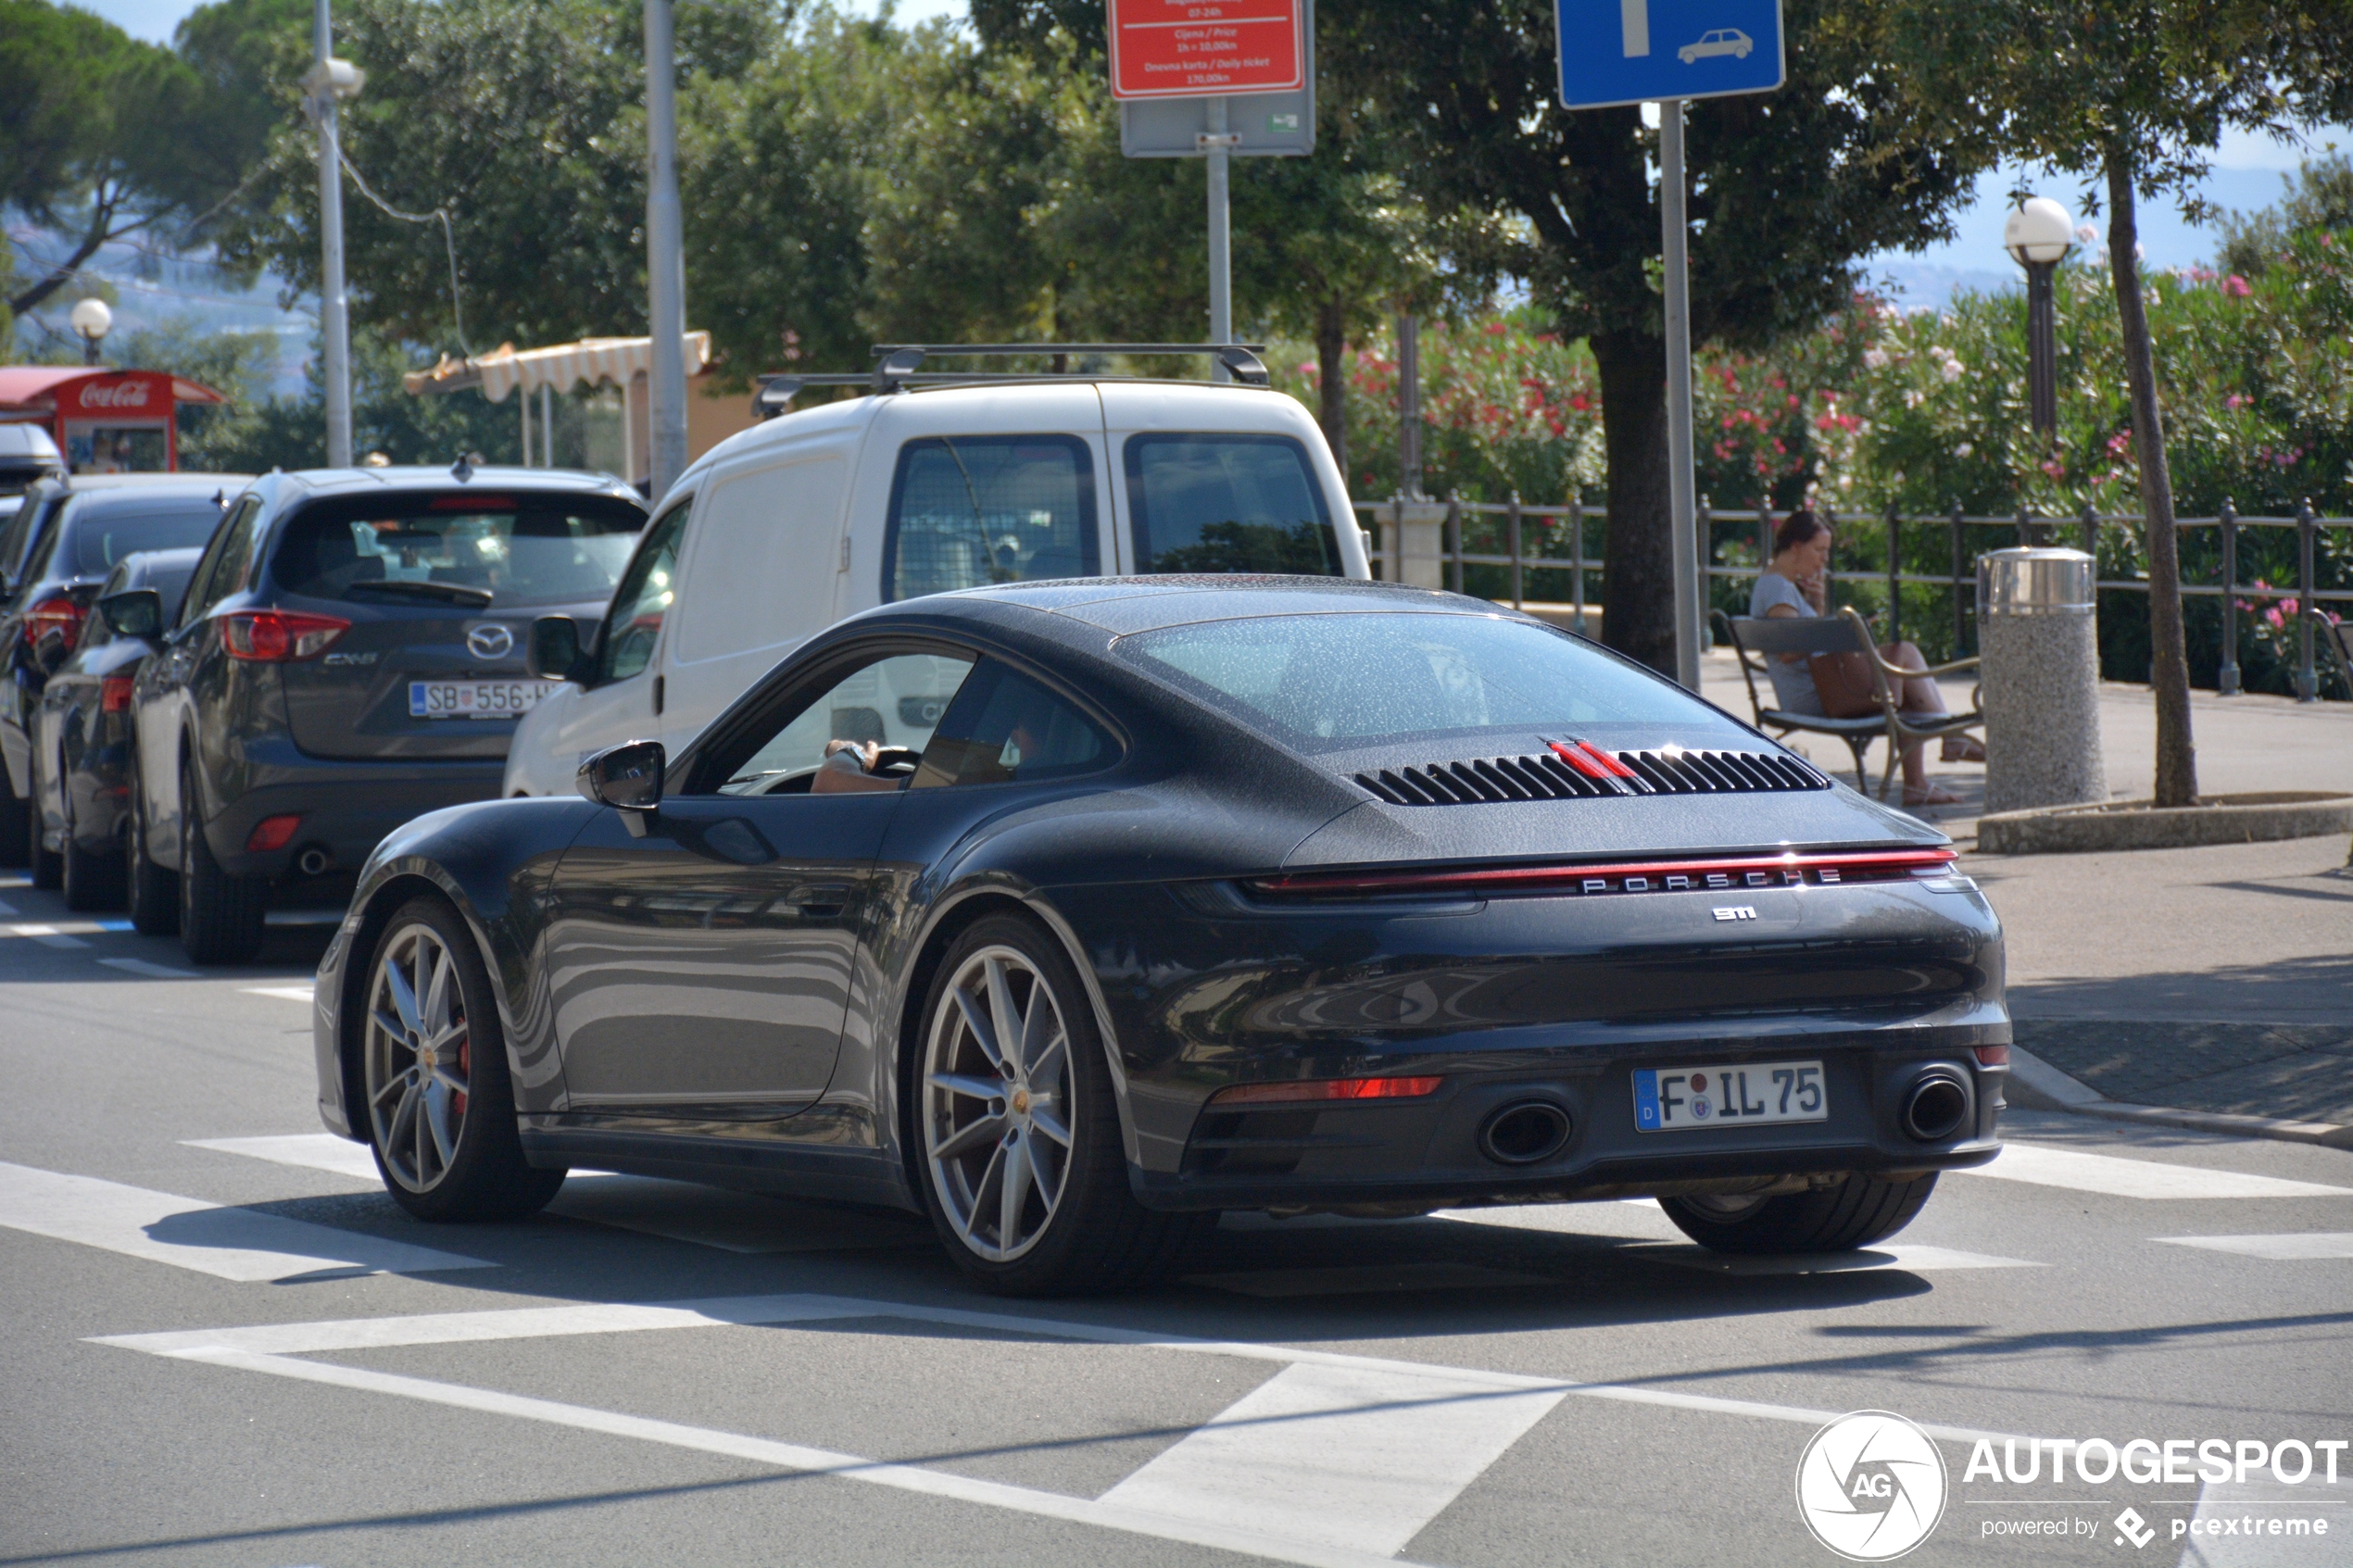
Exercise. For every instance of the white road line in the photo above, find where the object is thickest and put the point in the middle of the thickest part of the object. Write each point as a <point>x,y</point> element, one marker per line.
<point>152,971</point>
<point>227,1243</point>
<point>288,993</point>
<point>2106,1173</point>
<point>1346,1456</point>
<point>47,936</point>
<point>1365,1279</point>
<point>1913,1258</point>
<point>315,1152</point>
<point>2290,1248</point>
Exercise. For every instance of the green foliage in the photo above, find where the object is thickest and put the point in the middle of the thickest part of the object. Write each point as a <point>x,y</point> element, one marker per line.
<point>2319,195</point>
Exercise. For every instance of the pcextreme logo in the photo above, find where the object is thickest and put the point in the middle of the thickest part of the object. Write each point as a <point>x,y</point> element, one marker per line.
<point>1870,1485</point>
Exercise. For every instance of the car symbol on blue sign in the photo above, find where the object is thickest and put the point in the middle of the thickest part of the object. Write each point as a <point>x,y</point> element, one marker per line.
<point>1642,51</point>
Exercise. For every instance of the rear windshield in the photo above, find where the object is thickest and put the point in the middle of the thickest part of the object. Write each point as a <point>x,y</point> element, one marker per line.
<point>1325,683</point>
<point>99,536</point>
<point>1228,503</point>
<point>520,549</point>
<point>967,511</point>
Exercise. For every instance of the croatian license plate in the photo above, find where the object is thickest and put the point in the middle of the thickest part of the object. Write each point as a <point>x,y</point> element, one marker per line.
<point>1685,1099</point>
<point>475,700</point>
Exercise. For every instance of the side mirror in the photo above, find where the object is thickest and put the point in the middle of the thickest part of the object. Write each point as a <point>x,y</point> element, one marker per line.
<point>50,653</point>
<point>626,777</point>
<point>552,652</point>
<point>134,612</point>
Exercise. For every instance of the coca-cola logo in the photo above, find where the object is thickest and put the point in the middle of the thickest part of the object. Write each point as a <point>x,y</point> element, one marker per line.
<point>115,395</point>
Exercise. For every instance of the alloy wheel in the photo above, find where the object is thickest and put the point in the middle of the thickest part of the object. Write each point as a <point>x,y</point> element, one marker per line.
<point>418,1068</point>
<point>998,1105</point>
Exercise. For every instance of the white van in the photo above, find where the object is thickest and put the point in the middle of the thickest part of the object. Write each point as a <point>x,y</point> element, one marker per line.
<point>784,529</point>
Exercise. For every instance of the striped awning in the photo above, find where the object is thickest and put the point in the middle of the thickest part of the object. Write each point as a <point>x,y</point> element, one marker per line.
<point>597,360</point>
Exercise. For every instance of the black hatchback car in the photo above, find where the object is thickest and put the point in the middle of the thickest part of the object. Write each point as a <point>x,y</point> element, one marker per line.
<point>82,734</point>
<point>350,654</point>
<point>57,552</point>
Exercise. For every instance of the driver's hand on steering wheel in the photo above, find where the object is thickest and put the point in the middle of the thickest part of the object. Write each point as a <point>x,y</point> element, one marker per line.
<point>849,766</point>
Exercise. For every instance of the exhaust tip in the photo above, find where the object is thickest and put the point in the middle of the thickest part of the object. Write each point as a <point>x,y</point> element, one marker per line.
<point>1523,1132</point>
<point>314,861</point>
<point>1936,1107</point>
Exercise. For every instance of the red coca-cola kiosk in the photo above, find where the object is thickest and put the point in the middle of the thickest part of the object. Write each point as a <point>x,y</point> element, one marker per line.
<point>104,421</point>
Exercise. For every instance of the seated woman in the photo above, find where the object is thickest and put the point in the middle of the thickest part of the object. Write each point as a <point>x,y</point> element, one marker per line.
<point>1797,583</point>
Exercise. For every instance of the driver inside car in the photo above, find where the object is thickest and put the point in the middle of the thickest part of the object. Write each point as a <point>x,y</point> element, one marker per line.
<point>849,766</point>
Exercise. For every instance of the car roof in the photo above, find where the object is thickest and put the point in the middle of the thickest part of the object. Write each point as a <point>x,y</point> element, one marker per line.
<point>1125,605</point>
<point>360,481</point>
<point>82,502</point>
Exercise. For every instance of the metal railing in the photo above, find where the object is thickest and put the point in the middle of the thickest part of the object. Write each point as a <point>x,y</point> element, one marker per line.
<point>2082,531</point>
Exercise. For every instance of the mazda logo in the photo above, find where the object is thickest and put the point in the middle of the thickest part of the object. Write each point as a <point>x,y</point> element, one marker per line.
<point>490,642</point>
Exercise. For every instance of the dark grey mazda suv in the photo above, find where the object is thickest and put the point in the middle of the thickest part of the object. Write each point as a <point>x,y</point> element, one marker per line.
<point>350,655</point>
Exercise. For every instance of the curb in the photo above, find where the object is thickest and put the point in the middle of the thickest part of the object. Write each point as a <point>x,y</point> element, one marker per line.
<point>2135,825</point>
<point>2047,1088</point>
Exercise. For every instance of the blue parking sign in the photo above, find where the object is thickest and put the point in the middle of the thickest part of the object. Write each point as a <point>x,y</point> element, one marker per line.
<point>1640,50</point>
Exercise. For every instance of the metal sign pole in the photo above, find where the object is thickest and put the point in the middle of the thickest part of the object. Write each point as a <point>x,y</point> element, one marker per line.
<point>1681,500</point>
<point>334,321</point>
<point>665,263</point>
<point>1219,145</point>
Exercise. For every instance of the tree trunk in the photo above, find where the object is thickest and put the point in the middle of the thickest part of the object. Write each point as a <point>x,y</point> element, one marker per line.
<point>1638,585</point>
<point>102,208</point>
<point>1332,342</point>
<point>2169,654</point>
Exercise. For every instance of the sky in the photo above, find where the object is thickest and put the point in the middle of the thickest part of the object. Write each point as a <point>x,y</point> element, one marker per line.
<point>2245,174</point>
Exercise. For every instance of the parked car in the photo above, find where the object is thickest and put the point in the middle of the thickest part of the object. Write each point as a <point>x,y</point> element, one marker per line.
<point>83,731</point>
<point>1281,895</point>
<point>26,454</point>
<point>784,529</point>
<point>350,655</point>
<point>56,553</point>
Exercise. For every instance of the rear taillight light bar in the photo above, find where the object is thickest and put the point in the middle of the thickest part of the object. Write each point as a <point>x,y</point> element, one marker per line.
<point>278,636</point>
<point>1647,876</point>
<point>1298,1091</point>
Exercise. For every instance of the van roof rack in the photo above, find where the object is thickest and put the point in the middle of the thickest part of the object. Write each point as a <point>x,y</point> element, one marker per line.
<point>895,366</point>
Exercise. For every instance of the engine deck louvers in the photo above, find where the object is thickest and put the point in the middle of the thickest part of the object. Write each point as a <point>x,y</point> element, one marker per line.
<point>1575,770</point>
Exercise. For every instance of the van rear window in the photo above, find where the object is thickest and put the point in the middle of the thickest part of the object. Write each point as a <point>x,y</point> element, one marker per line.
<point>520,549</point>
<point>1221,503</point>
<point>970,510</point>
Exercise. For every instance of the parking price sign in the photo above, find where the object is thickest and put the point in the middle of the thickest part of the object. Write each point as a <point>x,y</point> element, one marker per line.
<point>1645,51</point>
<point>1204,48</point>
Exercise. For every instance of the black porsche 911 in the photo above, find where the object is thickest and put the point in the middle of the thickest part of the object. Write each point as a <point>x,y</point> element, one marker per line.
<point>1199,894</point>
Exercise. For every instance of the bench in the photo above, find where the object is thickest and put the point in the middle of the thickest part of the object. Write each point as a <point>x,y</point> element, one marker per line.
<point>1756,640</point>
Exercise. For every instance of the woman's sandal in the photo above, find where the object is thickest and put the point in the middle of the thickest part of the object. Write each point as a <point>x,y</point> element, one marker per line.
<point>1964,748</point>
<point>1931,796</point>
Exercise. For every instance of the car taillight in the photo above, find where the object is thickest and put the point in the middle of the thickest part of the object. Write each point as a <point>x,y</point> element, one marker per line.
<point>114,694</point>
<point>276,636</point>
<point>60,615</point>
<point>1993,1056</point>
<point>1295,1090</point>
<point>271,833</point>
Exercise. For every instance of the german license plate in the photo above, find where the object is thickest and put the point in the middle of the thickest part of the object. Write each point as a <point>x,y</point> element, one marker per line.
<point>1685,1099</point>
<point>475,700</point>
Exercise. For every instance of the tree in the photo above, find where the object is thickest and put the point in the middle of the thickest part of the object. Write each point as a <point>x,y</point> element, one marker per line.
<point>2137,94</point>
<point>102,137</point>
<point>1789,190</point>
<point>2319,197</point>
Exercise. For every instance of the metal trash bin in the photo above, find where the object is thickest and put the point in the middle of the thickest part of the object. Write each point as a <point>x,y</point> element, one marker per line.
<point>2038,644</point>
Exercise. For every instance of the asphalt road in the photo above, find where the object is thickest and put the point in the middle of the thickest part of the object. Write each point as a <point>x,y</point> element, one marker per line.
<point>221,1344</point>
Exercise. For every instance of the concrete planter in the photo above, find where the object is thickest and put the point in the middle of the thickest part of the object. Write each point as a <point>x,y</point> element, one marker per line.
<point>2136,824</point>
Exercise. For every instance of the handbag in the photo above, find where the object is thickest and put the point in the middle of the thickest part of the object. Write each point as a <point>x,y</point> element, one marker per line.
<point>1845,684</point>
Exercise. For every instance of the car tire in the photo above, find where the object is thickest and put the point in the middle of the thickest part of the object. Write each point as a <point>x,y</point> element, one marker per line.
<point>220,916</point>
<point>15,824</point>
<point>152,892</point>
<point>92,880</point>
<point>1075,1227</point>
<point>440,1106</point>
<point>1855,1213</point>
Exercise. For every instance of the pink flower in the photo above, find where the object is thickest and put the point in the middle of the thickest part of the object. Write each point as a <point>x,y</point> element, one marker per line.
<point>1494,329</point>
<point>2236,286</point>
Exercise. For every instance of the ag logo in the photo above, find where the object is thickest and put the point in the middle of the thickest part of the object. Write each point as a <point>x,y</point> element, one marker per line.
<point>1870,1485</point>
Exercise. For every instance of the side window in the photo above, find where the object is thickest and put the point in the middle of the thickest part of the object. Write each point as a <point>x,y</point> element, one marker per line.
<point>966,511</point>
<point>775,530</point>
<point>1220,503</point>
<point>1005,728</point>
<point>222,571</point>
<point>634,622</point>
<point>886,711</point>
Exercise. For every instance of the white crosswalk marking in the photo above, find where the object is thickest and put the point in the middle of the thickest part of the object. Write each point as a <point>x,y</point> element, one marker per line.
<point>1383,1278</point>
<point>2106,1174</point>
<point>187,1233</point>
<point>2291,1247</point>
<point>1913,1258</point>
<point>47,936</point>
<point>152,971</point>
<point>286,992</point>
<point>1340,1455</point>
<point>315,1152</point>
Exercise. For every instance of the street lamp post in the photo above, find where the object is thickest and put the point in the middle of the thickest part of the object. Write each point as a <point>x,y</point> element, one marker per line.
<point>91,320</point>
<point>328,83</point>
<point>665,262</point>
<point>2038,235</point>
